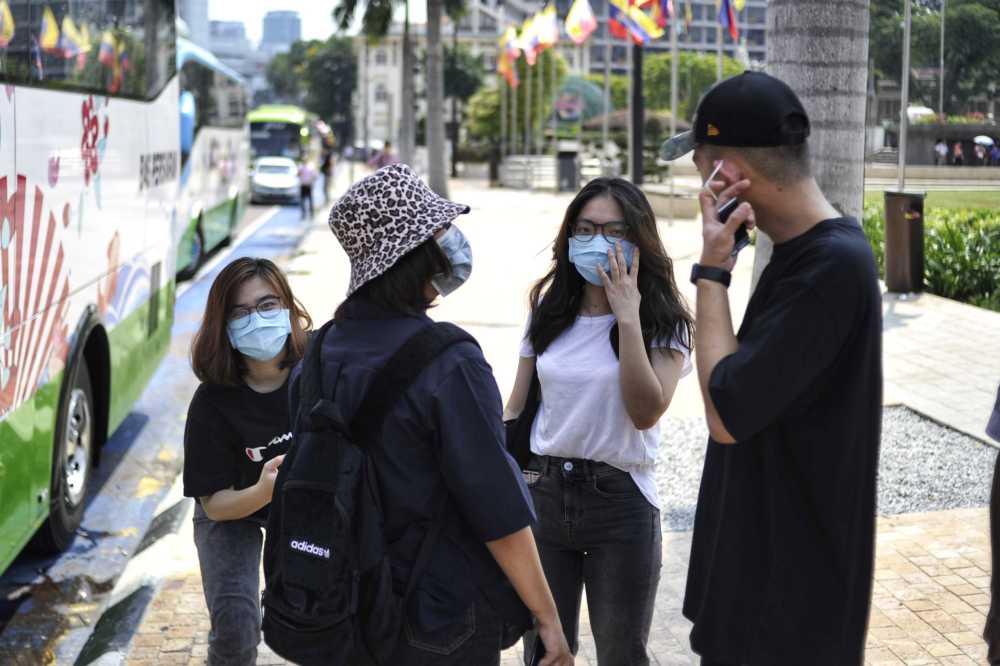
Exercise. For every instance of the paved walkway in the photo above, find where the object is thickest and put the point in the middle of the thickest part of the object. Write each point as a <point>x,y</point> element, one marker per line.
<point>932,570</point>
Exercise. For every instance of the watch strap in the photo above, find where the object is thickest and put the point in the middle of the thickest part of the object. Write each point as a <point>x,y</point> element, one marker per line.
<point>720,275</point>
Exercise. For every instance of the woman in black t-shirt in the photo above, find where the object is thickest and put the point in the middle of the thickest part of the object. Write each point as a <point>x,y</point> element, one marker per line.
<point>238,430</point>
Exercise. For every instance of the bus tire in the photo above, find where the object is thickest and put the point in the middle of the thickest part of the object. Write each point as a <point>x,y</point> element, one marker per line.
<point>197,257</point>
<point>72,464</point>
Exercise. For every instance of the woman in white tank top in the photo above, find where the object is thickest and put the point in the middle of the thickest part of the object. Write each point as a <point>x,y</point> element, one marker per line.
<point>609,337</point>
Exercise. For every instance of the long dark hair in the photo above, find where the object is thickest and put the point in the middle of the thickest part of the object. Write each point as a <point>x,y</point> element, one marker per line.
<point>556,298</point>
<point>212,356</point>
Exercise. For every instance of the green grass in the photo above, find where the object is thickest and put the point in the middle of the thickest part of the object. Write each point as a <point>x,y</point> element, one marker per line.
<point>953,200</point>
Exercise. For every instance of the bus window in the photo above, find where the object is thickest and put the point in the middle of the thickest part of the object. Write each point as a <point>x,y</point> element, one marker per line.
<point>275,139</point>
<point>116,47</point>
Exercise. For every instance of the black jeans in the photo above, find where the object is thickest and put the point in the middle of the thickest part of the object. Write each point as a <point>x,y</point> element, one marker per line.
<point>229,555</point>
<point>596,530</point>
<point>475,640</point>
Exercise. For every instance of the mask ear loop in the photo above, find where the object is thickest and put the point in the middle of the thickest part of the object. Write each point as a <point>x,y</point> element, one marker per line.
<point>709,180</point>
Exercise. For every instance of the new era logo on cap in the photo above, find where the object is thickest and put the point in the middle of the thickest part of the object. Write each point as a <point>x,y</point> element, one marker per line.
<point>713,130</point>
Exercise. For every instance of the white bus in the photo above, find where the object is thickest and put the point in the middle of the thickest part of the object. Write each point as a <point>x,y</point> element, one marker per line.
<point>90,166</point>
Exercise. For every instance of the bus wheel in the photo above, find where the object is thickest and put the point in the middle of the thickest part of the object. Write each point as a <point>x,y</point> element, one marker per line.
<point>72,456</point>
<point>197,254</point>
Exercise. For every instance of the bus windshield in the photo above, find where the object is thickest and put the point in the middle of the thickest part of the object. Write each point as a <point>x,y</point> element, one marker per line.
<point>275,139</point>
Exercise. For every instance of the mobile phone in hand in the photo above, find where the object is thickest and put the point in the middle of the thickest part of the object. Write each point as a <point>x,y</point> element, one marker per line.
<point>538,653</point>
<point>742,234</point>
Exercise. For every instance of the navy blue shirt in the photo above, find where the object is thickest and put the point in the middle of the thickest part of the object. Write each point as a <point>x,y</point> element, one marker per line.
<point>445,432</point>
<point>784,537</point>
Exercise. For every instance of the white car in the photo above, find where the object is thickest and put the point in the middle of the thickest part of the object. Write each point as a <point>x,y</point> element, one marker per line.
<point>275,179</point>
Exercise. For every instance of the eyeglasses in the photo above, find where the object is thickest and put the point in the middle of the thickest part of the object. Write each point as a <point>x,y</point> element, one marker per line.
<point>239,317</point>
<point>585,231</point>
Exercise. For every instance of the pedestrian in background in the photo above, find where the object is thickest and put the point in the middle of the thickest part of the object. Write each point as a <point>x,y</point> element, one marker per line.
<point>958,157</point>
<point>384,157</point>
<point>940,152</point>
<point>980,151</point>
<point>783,547</point>
<point>445,436</point>
<point>995,155</point>
<point>307,176</point>
<point>609,338</point>
<point>237,432</point>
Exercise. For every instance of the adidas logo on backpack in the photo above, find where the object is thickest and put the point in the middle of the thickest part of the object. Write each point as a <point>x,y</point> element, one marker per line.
<point>329,596</point>
<point>312,549</point>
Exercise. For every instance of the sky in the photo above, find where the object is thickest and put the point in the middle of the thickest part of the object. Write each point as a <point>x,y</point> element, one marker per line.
<point>316,20</point>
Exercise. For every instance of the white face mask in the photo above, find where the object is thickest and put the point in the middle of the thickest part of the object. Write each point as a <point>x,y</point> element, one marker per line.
<point>456,247</point>
<point>261,338</point>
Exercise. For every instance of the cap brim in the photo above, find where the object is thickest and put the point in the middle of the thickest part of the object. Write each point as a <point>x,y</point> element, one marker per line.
<point>993,427</point>
<point>677,146</point>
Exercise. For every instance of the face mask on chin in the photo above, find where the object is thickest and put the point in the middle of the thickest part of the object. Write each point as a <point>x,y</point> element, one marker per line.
<point>456,247</point>
<point>587,256</point>
<point>261,338</point>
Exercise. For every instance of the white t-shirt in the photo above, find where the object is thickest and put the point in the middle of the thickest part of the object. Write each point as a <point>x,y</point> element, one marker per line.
<point>582,414</point>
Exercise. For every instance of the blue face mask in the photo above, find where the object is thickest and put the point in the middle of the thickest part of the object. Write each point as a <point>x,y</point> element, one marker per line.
<point>593,253</point>
<point>260,338</point>
<point>456,247</point>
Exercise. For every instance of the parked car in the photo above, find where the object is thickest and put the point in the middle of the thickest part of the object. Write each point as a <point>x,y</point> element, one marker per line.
<point>274,179</point>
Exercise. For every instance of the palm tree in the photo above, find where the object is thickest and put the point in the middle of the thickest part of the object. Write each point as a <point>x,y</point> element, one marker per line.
<point>437,178</point>
<point>375,24</point>
<point>821,51</point>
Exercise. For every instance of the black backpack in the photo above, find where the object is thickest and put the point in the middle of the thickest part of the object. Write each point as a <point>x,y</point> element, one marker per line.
<point>328,595</point>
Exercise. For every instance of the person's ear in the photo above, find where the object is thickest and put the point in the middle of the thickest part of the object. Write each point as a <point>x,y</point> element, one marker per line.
<point>734,169</point>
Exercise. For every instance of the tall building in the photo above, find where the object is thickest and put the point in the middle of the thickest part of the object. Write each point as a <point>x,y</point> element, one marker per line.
<point>228,41</point>
<point>281,29</point>
<point>195,14</point>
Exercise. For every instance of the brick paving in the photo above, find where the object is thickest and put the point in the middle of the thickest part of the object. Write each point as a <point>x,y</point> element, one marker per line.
<point>931,589</point>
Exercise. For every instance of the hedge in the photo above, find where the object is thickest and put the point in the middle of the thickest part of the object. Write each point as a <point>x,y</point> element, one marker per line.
<point>961,252</point>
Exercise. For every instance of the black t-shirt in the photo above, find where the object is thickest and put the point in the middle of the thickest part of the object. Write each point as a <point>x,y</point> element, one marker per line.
<point>231,432</point>
<point>784,537</point>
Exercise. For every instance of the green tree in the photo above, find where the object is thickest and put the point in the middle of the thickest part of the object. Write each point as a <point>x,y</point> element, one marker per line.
<point>463,73</point>
<point>696,74</point>
<point>619,88</point>
<point>320,76</point>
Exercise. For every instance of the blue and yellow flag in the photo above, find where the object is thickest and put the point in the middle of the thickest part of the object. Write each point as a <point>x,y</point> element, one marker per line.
<point>48,34</point>
<point>6,25</point>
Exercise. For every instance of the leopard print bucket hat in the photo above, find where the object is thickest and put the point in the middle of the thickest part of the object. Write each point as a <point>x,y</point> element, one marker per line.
<point>385,215</point>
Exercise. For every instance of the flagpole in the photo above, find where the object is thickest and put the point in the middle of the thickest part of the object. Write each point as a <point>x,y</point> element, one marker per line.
<point>718,51</point>
<point>674,82</point>
<point>631,142</point>
<point>555,98</point>
<point>527,108</point>
<point>540,107</point>
<point>513,117</point>
<point>607,86</point>
<point>503,117</point>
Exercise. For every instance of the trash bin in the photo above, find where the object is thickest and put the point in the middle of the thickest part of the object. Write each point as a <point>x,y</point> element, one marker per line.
<point>904,242</point>
<point>567,166</point>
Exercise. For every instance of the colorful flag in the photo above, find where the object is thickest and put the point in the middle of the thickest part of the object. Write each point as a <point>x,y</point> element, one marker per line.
<point>107,52</point>
<point>663,11</point>
<point>505,63</point>
<point>738,5</point>
<point>728,19</point>
<point>631,20</point>
<point>72,41</point>
<point>580,22</point>
<point>6,24</point>
<point>529,40</point>
<point>688,16</point>
<point>548,28</point>
<point>48,35</point>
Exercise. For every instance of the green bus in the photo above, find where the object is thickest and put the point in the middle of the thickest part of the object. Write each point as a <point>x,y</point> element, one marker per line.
<point>283,130</point>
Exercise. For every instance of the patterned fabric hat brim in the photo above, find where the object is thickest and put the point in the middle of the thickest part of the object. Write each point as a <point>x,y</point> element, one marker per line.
<point>384,216</point>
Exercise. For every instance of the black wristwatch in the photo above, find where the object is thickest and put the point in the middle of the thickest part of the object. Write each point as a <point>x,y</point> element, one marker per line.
<point>721,275</point>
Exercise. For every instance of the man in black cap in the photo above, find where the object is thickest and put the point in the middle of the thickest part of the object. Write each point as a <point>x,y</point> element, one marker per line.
<point>784,536</point>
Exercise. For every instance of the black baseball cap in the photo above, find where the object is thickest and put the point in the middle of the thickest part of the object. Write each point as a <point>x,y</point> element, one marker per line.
<point>752,109</point>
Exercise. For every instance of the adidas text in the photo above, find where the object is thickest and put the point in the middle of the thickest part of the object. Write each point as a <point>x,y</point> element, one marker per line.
<point>310,549</point>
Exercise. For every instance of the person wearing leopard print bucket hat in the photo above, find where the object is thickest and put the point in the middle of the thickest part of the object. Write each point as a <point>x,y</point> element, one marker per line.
<point>443,437</point>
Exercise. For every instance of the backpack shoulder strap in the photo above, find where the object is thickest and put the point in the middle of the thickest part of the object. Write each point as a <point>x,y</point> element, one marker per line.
<point>310,390</point>
<point>402,368</point>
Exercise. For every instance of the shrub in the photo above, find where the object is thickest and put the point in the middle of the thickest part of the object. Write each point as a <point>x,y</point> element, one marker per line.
<point>961,252</point>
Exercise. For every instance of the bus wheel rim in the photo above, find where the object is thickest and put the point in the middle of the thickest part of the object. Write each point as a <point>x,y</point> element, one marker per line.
<point>76,460</point>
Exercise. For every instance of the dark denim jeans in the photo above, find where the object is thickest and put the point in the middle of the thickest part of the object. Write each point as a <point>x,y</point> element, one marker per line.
<point>596,530</point>
<point>475,640</point>
<point>229,555</point>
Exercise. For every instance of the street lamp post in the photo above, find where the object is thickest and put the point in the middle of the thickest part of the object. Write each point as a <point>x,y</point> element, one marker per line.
<point>944,8</point>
